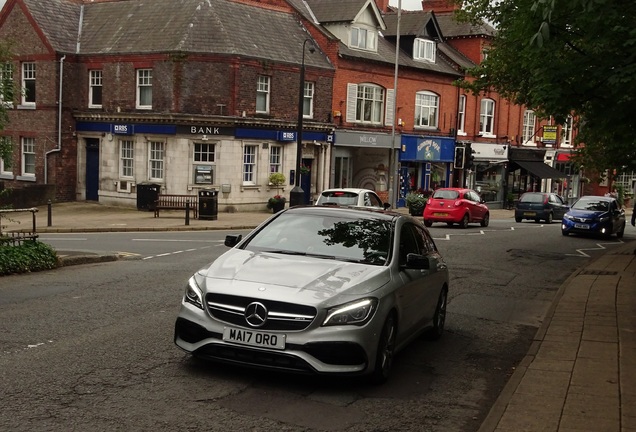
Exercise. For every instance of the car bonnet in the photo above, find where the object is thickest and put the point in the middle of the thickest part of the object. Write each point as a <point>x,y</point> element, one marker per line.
<point>276,276</point>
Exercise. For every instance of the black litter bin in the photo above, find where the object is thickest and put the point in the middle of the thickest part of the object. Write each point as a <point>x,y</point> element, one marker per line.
<point>147,194</point>
<point>208,204</point>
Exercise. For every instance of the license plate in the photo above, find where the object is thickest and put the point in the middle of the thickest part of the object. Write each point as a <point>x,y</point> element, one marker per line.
<point>581,226</point>
<point>529,214</point>
<point>254,338</point>
<point>440,214</point>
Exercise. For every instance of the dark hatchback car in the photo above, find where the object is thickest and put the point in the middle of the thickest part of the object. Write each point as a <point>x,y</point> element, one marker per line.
<point>540,206</point>
<point>595,215</point>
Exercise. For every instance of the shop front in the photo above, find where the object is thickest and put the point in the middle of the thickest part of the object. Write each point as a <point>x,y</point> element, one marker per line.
<point>530,170</point>
<point>425,164</point>
<point>487,177</point>
<point>361,160</point>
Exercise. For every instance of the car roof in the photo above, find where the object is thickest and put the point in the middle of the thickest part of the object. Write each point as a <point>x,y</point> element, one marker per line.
<point>348,211</point>
<point>354,190</point>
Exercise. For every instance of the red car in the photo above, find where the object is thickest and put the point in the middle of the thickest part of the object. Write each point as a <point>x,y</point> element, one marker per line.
<point>456,205</point>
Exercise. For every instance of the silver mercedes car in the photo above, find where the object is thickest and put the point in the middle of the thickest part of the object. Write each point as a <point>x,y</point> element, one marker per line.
<point>322,290</point>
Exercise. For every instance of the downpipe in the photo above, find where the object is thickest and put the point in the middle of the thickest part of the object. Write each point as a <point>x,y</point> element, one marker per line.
<point>59,125</point>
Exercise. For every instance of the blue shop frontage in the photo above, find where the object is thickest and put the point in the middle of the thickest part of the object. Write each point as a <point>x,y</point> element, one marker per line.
<point>425,164</point>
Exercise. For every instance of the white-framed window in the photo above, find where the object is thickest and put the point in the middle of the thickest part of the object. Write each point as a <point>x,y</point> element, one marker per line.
<point>28,157</point>
<point>126,158</point>
<point>424,49</point>
<point>529,127</point>
<point>6,165</point>
<point>249,164</point>
<point>426,109</point>
<point>461,115</point>
<point>308,100</point>
<point>368,104</point>
<point>566,132</point>
<point>144,88</point>
<point>487,118</point>
<point>156,153</point>
<point>363,38</point>
<point>28,83</point>
<point>6,84</point>
<point>275,159</point>
<point>262,94</point>
<point>95,89</point>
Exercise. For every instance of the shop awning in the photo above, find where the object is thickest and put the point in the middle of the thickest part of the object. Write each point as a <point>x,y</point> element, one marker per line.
<point>540,169</point>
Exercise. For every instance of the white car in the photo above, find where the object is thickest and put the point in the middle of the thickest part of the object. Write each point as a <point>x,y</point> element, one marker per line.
<point>351,197</point>
<point>318,289</point>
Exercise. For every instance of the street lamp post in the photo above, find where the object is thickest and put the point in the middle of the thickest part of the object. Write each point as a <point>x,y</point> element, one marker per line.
<point>297,195</point>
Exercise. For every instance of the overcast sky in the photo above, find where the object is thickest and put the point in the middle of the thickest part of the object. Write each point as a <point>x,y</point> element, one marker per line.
<point>406,4</point>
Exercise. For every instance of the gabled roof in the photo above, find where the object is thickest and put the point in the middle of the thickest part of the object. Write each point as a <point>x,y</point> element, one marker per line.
<point>411,24</point>
<point>452,28</point>
<point>58,20</point>
<point>184,26</point>
<point>331,11</point>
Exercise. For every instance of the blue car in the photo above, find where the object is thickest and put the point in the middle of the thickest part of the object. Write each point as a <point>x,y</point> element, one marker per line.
<point>594,215</point>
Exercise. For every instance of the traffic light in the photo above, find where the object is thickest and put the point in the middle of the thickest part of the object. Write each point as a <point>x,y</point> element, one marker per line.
<point>470,157</point>
<point>459,157</point>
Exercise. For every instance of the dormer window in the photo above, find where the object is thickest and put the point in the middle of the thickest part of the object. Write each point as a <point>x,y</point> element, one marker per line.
<point>424,49</point>
<point>363,39</point>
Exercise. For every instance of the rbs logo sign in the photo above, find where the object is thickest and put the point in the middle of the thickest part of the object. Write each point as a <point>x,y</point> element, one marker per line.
<point>122,129</point>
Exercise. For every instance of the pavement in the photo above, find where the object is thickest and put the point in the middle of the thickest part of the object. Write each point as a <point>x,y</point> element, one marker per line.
<point>580,371</point>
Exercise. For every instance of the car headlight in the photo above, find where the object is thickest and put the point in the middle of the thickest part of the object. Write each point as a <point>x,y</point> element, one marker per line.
<point>193,293</point>
<point>604,219</point>
<point>354,313</point>
<point>567,216</point>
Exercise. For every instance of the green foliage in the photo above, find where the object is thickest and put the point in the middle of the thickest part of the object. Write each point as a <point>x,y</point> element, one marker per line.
<point>275,200</point>
<point>414,199</point>
<point>277,179</point>
<point>28,257</point>
<point>566,57</point>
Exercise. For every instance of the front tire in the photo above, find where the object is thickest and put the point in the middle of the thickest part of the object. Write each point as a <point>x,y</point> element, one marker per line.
<point>486,220</point>
<point>620,232</point>
<point>386,350</point>
<point>439,319</point>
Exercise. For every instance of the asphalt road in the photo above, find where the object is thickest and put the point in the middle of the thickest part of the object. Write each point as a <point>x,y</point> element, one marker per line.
<point>90,347</point>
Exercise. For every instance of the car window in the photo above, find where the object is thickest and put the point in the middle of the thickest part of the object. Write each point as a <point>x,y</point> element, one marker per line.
<point>532,198</point>
<point>427,245</point>
<point>408,242</point>
<point>342,198</point>
<point>375,200</point>
<point>591,204</point>
<point>446,194</point>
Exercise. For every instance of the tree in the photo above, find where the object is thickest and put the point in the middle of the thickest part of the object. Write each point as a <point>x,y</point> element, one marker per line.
<point>7,90</point>
<point>566,57</point>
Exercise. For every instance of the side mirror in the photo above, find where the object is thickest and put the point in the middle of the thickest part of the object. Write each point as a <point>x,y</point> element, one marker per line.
<point>416,261</point>
<point>232,239</point>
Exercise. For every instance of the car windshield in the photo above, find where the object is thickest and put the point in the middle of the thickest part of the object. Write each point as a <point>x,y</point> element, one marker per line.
<point>532,198</point>
<point>365,239</point>
<point>446,194</point>
<point>591,204</point>
<point>342,198</point>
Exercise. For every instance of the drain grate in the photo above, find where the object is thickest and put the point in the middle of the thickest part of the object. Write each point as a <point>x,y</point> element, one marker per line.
<point>598,272</point>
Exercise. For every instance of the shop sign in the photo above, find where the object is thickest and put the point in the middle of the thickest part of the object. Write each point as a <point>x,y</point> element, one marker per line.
<point>549,134</point>
<point>429,150</point>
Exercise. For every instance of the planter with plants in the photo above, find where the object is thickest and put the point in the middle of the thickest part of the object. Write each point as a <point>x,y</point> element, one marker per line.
<point>416,201</point>
<point>276,203</point>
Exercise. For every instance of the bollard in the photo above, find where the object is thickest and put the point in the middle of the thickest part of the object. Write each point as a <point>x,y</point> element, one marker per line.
<point>187,213</point>
<point>48,214</point>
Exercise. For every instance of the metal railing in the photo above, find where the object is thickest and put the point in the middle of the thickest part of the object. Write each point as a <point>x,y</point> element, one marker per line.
<point>16,238</point>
